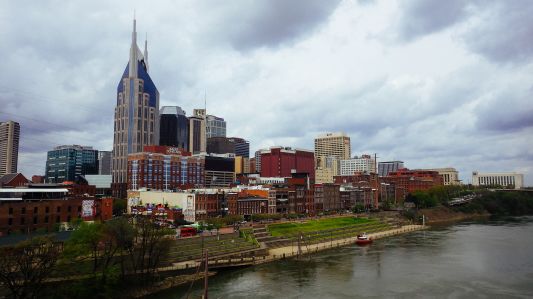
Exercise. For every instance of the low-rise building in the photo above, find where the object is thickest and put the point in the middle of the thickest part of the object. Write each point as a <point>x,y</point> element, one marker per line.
<point>512,180</point>
<point>449,175</point>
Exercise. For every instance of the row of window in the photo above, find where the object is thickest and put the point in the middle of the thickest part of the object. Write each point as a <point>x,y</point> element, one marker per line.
<point>46,210</point>
<point>46,220</point>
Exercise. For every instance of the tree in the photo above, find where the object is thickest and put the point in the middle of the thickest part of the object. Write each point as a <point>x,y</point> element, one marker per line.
<point>119,206</point>
<point>85,241</point>
<point>24,267</point>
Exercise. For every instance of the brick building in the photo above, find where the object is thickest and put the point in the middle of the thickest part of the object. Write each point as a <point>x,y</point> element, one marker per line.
<point>414,180</point>
<point>13,180</point>
<point>282,161</point>
<point>252,205</point>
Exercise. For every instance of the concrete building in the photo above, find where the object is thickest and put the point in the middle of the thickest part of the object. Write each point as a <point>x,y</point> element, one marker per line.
<point>258,160</point>
<point>9,146</point>
<point>136,114</point>
<point>283,161</point>
<point>69,162</point>
<point>104,162</point>
<point>449,175</point>
<point>219,170</point>
<point>173,127</point>
<point>385,167</point>
<point>365,164</point>
<point>197,132</point>
<point>242,165</point>
<point>215,126</point>
<point>328,148</point>
<point>512,180</point>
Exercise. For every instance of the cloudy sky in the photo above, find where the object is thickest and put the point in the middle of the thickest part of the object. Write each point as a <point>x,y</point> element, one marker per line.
<point>432,83</point>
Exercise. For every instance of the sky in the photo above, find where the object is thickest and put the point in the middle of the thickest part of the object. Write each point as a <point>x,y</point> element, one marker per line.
<point>432,83</point>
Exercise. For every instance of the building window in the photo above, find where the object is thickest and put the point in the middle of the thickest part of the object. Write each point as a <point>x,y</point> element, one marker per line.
<point>79,208</point>
<point>45,219</point>
<point>10,211</point>
<point>58,209</point>
<point>22,221</point>
<point>35,210</point>
<point>58,219</point>
<point>10,221</point>
<point>47,210</point>
<point>23,211</point>
<point>34,219</point>
<point>69,209</point>
<point>69,218</point>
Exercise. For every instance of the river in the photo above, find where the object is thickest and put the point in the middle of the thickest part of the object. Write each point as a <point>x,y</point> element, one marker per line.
<point>482,259</point>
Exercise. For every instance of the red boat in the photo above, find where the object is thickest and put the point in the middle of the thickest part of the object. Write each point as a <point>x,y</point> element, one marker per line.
<point>363,239</point>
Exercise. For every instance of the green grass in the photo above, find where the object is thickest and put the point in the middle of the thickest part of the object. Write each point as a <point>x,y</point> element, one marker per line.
<point>286,229</point>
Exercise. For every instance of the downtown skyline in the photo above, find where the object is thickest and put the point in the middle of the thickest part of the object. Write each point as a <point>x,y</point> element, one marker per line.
<point>431,86</point>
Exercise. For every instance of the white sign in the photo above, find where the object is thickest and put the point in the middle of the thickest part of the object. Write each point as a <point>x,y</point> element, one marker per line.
<point>87,208</point>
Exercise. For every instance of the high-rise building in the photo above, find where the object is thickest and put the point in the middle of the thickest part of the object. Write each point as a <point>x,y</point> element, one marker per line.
<point>365,164</point>
<point>104,162</point>
<point>242,147</point>
<point>136,114</point>
<point>215,126</point>
<point>173,127</point>
<point>69,162</point>
<point>9,146</point>
<point>197,136</point>
<point>220,145</point>
<point>330,146</point>
<point>385,167</point>
<point>258,160</point>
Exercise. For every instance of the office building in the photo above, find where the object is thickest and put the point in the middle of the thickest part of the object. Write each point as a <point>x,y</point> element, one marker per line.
<point>364,164</point>
<point>330,148</point>
<point>173,127</point>
<point>69,162</point>
<point>104,162</point>
<point>197,135</point>
<point>242,147</point>
<point>258,160</point>
<point>136,114</point>
<point>215,126</point>
<point>283,161</point>
<point>219,170</point>
<point>512,180</point>
<point>385,167</point>
<point>9,146</point>
<point>220,145</point>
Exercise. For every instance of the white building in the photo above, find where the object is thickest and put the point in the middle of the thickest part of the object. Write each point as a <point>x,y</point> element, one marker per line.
<point>365,164</point>
<point>183,200</point>
<point>504,179</point>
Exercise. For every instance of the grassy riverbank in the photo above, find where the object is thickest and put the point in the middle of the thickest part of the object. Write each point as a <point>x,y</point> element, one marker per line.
<point>292,228</point>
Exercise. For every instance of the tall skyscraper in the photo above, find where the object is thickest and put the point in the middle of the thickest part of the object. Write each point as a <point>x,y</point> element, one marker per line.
<point>136,114</point>
<point>197,136</point>
<point>242,147</point>
<point>104,162</point>
<point>215,126</point>
<point>69,162</point>
<point>9,146</point>
<point>173,127</point>
<point>330,148</point>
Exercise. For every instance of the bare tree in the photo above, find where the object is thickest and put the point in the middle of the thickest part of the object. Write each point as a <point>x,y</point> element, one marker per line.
<point>24,267</point>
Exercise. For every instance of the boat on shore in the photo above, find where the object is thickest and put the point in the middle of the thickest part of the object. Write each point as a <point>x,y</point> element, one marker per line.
<point>363,239</point>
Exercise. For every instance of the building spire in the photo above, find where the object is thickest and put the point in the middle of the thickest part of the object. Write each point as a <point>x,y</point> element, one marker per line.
<point>133,50</point>
<point>146,52</point>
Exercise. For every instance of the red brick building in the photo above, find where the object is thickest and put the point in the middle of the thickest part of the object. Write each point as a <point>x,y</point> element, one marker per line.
<point>281,162</point>
<point>414,180</point>
<point>164,171</point>
<point>252,206</point>
<point>29,209</point>
<point>13,180</point>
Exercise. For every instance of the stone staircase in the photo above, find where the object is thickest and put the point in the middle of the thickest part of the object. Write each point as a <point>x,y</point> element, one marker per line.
<point>263,236</point>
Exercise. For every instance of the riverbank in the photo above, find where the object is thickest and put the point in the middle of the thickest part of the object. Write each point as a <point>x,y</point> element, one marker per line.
<point>444,215</point>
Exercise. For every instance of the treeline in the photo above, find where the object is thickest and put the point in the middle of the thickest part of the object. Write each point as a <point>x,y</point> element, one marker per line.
<point>95,262</point>
<point>481,200</point>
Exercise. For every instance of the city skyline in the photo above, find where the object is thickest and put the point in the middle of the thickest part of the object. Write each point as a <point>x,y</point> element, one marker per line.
<point>414,83</point>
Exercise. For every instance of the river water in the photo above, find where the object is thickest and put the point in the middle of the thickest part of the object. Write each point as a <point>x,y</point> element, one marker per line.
<point>484,259</point>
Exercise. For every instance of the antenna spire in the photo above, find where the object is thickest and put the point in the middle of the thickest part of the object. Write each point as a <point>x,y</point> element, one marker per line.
<point>146,52</point>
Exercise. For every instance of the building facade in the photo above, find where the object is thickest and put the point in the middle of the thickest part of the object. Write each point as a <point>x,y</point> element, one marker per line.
<point>283,161</point>
<point>136,114</point>
<point>104,162</point>
<point>385,167</point>
<point>173,127</point>
<point>9,146</point>
<point>219,170</point>
<point>197,132</point>
<point>242,147</point>
<point>365,164</point>
<point>69,162</point>
<point>449,175</point>
<point>511,180</point>
<point>169,169</point>
<point>220,145</point>
<point>333,147</point>
<point>215,126</point>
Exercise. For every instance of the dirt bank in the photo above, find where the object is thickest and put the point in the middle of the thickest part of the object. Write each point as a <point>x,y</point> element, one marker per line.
<point>440,215</point>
